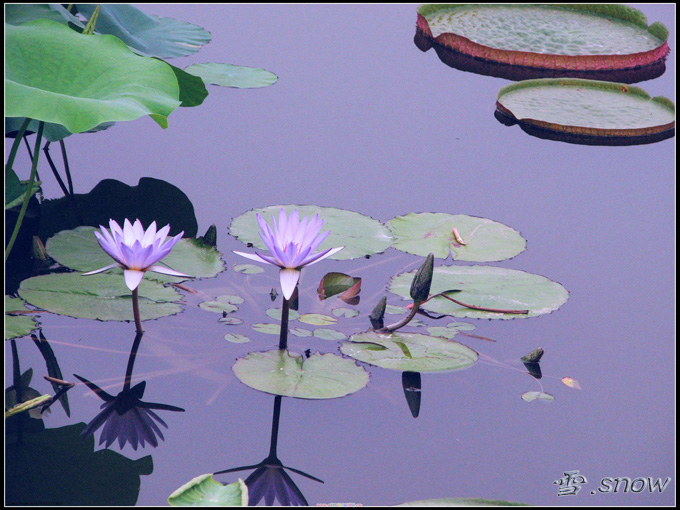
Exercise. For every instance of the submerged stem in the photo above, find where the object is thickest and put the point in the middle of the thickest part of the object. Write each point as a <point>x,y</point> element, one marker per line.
<point>29,188</point>
<point>404,321</point>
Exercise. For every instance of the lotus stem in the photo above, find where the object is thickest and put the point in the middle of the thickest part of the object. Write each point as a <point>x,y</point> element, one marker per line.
<point>283,336</point>
<point>15,145</point>
<point>135,311</point>
<point>404,321</point>
<point>131,360</point>
<point>483,308</point>
<point>29,189</point>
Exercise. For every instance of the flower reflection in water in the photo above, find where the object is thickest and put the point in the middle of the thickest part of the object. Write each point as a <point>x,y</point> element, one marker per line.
<point>126,417</point>
<point>291,244</point>
<point>270,480</point>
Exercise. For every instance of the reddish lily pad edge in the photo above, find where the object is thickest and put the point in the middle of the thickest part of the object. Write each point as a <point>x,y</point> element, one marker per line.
<point>552,61</point>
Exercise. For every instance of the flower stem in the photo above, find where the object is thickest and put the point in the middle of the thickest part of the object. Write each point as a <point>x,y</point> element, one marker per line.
<point>404,321</point>
<point>283,336</point>
<point>135,311</point>
<point>29,188</point>
<point>131,360</point>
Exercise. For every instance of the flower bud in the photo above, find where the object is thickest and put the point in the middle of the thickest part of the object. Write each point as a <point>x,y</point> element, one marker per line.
<point>420,288</point>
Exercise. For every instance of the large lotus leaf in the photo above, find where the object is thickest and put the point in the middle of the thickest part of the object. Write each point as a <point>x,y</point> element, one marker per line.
<point>586,37</point>
<point>192,90</point>
<point>151,200</point>
<point>148,35</point>
<point>79,249</point>
<point>587,107</point>
<point>16,14</point>
<point>17,325</point>
<point>51,132</point>
<point>489,287</point>
<point>318,376</point>
<point>409,352</point>
<point>462,502</point>
<point>59,466</point>
<point>228,75</point>
<point>204,490</point>
<point>101,296</point>
<point>484,240</point>
<point>55,74</point>
<point>359,234</point>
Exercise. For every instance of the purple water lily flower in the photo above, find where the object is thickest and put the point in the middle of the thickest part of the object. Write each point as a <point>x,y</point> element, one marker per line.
<point>126,418</point>
<point>136,250</point>
<point>291,244</point>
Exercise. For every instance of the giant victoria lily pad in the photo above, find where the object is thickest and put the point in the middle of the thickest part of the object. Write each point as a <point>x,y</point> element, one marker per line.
<point>475,239</point>
<point>319,376</point>
<point>359,234</point>
<point>409,352</point>
<point>588,111</point>
<point>104,80</point>
<point>580,37</point>
<point>490,287</point>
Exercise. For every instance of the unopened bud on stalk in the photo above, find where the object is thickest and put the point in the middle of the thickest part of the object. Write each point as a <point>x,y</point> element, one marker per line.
<point>420,288</point>
<point>378,314</point>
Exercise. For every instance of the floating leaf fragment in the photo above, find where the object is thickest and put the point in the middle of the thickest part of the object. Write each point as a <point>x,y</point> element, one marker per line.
<point>236,338</point>
<point>329,334</point>
<point>204,490</point>
<point>248,269</point>
<point>572,383</point>
<point>317,319</point>
<point>301,332</point>
<point>537,395</point>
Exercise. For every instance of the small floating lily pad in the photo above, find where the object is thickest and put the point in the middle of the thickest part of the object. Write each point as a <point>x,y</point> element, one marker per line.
<point>17,325</point>
<point>236,338</point>
<point>580,37</point>
<point>487,286</point>
<point>228,75</point>
<point>100,296</point>
<point>475,239</point>
<point>329,334</point>
<point>222,304</point>
<point>301,332</point>
<point>204,490</point>
<point>409,352</point>
<point>347,313</point>
<point>275,313</point>
<point>267,328</point>
<point>588,111</point>
<point>248,269</point>
<point>230,321</point>
<point>320,376</point>
<point>537,395</point>
<point>359,234</point>
<point>317,319</point>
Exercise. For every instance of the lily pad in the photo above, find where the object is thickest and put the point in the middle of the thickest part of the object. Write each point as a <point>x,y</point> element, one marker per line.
<point>17,325</point>
<point>204,490</point>
<point>475,239</point>
<point>148,35</point>
<point>275,313</point>
<point>409,352</point>
<point>228,75</point>
<point>537,395</point>
<point>359,234</point>
<point>248,269</point>
<point>55,74</point>
<point>222,304</point>
<point>230,321</point>
<point>267,328</point>
<point>347,313</point>
<point>582,37</point>
<point>588,110</point>
<point>236,338</point>
<point>301,332</point>
<point>78,249</point>
<point>319,376</point>
<point>338,283</point>
<point>317,319</point>
<point>101,296</point>
<point>329,334</point>
<point>489,287</point>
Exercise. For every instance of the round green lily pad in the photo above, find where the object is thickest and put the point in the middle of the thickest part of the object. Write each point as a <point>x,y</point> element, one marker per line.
<point>319,376</point>
<point>100,296</point>
<point>359,234</point>
<point>78,249</point>
<point>235,338</point>
<point>267,328</point>
<point>329,334</point>
<point>222,304</point>
<point>489,287</point>
<point>248,269</point>
<point>579,37</point>
<point>275,313</point>
<point>317,319</point>
<point>409,352</point>
<point>475,239</point>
